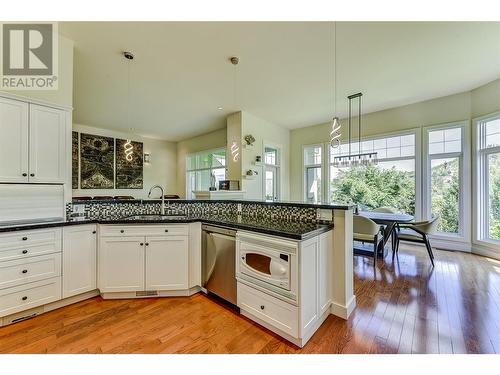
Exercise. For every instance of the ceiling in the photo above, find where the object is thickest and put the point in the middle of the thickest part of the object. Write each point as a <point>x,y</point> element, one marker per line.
<point>181,73</point>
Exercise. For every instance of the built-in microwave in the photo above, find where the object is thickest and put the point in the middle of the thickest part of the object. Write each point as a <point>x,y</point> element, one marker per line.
<point>266,265</point>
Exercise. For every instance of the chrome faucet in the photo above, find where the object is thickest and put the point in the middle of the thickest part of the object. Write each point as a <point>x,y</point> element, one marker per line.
<point>162,207</point>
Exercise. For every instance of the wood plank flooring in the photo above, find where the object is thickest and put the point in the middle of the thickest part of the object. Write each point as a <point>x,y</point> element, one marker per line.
<point>402,307</point>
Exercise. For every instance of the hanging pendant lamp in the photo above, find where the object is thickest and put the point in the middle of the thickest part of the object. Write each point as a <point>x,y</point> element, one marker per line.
<point>336,126</point>
<point>360,158</point>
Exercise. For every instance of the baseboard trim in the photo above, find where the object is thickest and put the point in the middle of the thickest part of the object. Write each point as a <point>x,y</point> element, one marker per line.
<point>343,311</point>
<point>486,252</point>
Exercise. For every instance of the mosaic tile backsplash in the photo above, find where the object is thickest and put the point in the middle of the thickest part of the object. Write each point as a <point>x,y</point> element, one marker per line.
<point>114,210</point>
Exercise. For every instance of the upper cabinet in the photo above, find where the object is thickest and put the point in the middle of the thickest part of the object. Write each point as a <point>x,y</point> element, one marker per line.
<point>33,146</point>
<point>14,120</point>
<point>47,144</point>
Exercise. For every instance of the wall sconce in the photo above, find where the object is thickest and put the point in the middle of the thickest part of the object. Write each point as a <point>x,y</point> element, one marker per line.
<point>147,158</point>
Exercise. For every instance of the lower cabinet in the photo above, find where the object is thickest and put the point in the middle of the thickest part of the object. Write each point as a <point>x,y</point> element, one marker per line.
<point>129,263</point>
<point>167,263</point>
<point>121,264</point>
<point>79,260</point>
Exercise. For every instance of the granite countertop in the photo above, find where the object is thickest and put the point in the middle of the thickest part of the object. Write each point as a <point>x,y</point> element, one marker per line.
<point>281,228</point>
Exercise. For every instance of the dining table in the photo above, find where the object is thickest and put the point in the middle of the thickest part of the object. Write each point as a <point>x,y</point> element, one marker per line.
<point>390,222</point>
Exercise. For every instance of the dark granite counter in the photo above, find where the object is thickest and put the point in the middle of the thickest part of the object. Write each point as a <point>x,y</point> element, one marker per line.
<point>281,228</point>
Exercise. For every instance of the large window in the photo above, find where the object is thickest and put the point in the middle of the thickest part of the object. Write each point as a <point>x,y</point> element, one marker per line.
<point>390,183</point>
<point>488,153</point>
<point>313,173</point>
<point>444,176</point>
<point>201,166</point>
<point>271,173</point>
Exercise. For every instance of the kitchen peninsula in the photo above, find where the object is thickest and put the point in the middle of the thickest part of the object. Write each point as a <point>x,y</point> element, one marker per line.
<point>125,249</point>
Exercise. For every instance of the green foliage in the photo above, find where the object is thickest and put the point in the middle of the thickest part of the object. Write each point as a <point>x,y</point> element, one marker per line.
<point>445,195</point>
<point>372,187</point>
<point>494,188</point>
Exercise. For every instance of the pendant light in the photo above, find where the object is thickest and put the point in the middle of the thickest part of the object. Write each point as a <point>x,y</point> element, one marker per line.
<point>128,147</point>
<point>235,147</point>
<point>335,133</point>
<point>359,159</point>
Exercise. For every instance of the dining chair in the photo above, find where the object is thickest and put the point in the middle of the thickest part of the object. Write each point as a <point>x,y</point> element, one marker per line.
<point>366,230</point>
<point>417,232</point>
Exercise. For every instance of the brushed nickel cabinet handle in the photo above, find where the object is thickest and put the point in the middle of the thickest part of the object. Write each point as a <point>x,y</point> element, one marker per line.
<point>24,298</point>
<point>25,238</point>
<point>24,271</point>
<point>32,174</point>
<point>25,251</point>
<point>25,174</point>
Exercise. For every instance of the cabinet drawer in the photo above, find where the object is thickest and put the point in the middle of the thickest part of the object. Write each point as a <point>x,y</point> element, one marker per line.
<point>22,239</point>
<point>29,250</point>
<point>271,310</point>
<point>144,230</point>
<point>22,271</point>
<point>25,297</point>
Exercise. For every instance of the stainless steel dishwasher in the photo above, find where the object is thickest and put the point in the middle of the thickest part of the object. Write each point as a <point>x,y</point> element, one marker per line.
<point>218,259</point>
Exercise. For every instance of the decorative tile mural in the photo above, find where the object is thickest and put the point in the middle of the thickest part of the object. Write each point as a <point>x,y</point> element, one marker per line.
<point>74,160</point>
<point>129,162</point>
<point>97,167</point>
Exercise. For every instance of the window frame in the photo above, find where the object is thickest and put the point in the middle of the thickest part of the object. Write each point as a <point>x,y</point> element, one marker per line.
<point>189,194</point>
<point>322,165</point>
<point>276,167</point>
<point>463,234</point>
<point>417,157</point>
<point>481,182</point>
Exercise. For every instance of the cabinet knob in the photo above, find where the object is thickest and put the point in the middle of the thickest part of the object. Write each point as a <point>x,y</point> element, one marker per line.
<point>147,243</point>
<point>122,231</point>
<point>24,298</point>
<point>25,238</point>
<point>262,307</point>
<point>166,230</point>
<point>142,244</point>
<point>25,271</point>
<point>25,174</point>
<point>93,232</point>
<point>32,174</point>
<point>25,251</point>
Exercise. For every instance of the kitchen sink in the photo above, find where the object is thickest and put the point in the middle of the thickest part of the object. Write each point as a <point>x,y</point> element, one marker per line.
<point>156,217</point>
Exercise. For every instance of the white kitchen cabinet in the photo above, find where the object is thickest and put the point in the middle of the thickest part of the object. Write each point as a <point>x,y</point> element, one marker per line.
<point>167,261</point>
<point>121,264</point>
<point>79,260</point>
<point>325,273</point>
<point>33,142</point>
<point>47,145</point>
<point>13,140</point>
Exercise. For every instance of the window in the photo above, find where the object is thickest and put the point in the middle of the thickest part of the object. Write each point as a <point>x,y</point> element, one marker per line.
<point>271,173</point>
<point>201,166</point>
<point>313,173</point>
<point>444,177</point>
<point>391,182</point>
<point>488,179</point>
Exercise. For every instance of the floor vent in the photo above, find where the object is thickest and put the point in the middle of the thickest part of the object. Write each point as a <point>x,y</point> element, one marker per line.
<point>146,293</point>
<point>21,318</point>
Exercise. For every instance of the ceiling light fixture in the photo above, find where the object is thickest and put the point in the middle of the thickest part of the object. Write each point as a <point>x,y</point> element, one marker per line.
<point>219,108</point>
<point>335,133</point>
<point>354,160</point>
<point>128,147</point>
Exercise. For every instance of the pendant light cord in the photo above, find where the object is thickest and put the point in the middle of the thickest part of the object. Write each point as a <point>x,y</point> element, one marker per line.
<point>335,68</point>
<point>128,93</point>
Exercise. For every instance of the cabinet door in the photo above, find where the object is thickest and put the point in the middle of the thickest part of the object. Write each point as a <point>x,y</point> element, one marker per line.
<point>47,145</point>
<point>121,264</point>
<point>167,263</point>
<point>13,141</point>
<point>79,260</point>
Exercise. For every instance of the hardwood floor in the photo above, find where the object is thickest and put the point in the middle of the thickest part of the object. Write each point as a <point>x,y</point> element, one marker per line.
<point>405,307</point>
